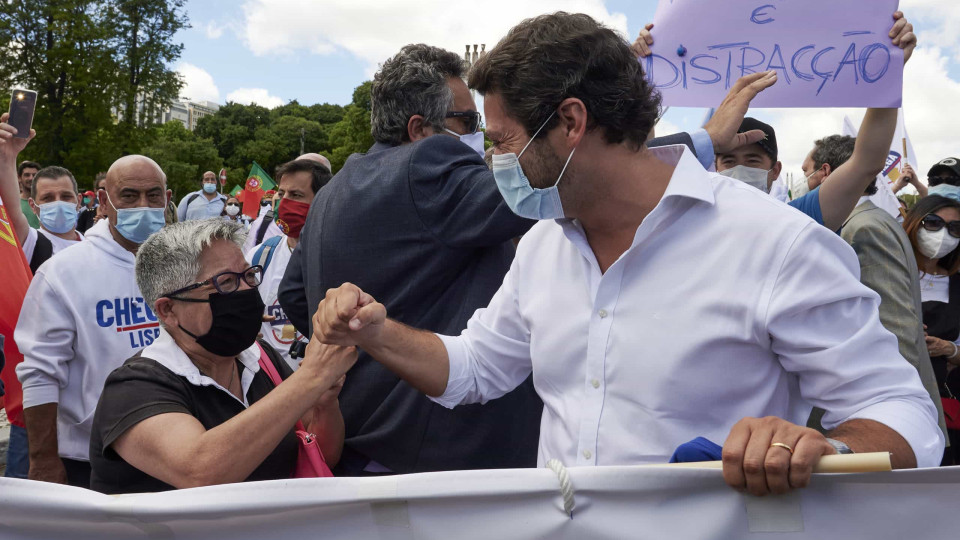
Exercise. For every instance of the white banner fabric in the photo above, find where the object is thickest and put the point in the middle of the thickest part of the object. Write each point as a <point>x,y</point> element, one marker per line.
<point>610,502</point>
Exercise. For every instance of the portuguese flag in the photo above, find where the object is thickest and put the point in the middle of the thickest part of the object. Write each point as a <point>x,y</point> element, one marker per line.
<point>16,279</point>
<point>258,182</point>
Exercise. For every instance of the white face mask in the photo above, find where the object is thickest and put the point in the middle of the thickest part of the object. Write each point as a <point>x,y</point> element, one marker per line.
<point>233,210</point>
<point>750,176</point>
<point>936,244</point>
<point>473,140</point>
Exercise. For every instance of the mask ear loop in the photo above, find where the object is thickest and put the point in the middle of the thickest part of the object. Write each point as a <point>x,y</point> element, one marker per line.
<point>537,133</point>
<point>565,166</point>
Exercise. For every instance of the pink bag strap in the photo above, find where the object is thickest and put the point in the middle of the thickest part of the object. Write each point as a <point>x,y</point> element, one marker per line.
<point>271,370</point>
<point>267,366</point>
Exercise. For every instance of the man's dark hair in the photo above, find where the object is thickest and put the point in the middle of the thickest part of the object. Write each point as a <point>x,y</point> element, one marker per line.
<point>53,173</point>
<point>547,59</point>
<point>835,150</point>
<point>321,175</point>
<point>27,165</point>
<point>412,82</point>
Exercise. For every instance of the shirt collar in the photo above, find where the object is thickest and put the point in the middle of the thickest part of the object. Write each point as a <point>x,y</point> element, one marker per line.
<point>168,354</point>
<point>690,179</point>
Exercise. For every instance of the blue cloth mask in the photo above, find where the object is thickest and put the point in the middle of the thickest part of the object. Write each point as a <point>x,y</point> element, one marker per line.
<point>525,200</point>
<point>58,217</point>
<point>209,188</point>
<point>137,224</point>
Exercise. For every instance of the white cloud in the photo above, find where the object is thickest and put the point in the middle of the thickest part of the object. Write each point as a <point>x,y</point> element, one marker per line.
<point>198,83</point>
<point>213,30</point>
<point>374,30</point>
<point>260,96</point>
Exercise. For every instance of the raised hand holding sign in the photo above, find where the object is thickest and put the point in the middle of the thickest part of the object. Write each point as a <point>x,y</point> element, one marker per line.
<point>825,53</point>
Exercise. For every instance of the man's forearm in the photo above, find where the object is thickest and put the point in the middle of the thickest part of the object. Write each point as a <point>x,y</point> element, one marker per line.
<point>416,356</point>
<point>10,193</point>
<point>41,422</point>
<point>869,436</point>
<point>840,192</point>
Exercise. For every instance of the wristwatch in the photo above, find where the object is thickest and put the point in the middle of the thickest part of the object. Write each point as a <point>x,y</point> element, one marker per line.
<point>840,446</point>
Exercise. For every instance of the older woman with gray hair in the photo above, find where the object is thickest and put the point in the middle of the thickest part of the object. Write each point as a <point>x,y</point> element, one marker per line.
<point>194,408</point>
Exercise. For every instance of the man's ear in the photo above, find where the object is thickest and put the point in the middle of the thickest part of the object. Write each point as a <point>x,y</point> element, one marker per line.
<point>573,117</point>
<point>417,128</point>
<point>827,170</point>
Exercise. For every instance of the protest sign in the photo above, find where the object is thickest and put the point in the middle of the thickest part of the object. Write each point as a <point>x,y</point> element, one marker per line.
<point>825,53</point>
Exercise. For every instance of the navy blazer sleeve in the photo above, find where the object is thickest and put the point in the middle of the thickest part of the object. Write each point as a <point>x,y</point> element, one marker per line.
<point>457,198</point>
<point>292,294</point>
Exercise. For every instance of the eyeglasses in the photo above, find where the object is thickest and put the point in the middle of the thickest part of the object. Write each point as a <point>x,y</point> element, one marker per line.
<point>473,118</point>
<point>933,223</point>
<point>224,283</point>
<point>949,180</point>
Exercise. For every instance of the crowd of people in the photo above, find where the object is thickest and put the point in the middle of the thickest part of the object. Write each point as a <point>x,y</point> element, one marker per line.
<point>581,290</point>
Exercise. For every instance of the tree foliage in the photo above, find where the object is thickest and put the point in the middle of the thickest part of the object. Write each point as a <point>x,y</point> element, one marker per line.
<point>183,156</point>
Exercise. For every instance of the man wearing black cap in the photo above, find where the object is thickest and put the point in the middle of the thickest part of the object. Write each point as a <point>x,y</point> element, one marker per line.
<point>827,203</point>
<point>945,172</point>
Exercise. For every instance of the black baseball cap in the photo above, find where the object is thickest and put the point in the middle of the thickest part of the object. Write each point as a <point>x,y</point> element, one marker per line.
<point>769,145</point>
<point>951,165</point>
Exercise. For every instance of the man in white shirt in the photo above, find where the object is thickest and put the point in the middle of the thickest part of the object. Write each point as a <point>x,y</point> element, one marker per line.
<point>298,183</point>
<point>204,203</point>
<point>654,302</point>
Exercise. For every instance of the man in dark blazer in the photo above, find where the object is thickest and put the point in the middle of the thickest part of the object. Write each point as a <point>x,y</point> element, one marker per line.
<point>418,223</point>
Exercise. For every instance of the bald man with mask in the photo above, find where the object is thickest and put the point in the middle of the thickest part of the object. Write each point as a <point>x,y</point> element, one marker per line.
<point>77,327</point>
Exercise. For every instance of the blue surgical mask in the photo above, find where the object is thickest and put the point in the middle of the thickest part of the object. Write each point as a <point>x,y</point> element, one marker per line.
<point>137,224</point>
<point>58,217</point>
<point>525,200</point>
<point>473,140</point>
<point>209,188</point>
<point>945,190</point>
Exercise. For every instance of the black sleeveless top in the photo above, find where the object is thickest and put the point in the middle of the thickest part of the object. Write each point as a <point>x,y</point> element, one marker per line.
<point>943,321</point>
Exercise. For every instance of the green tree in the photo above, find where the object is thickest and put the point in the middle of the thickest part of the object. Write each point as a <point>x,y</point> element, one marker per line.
<point>183,156</point>
<point>352,133</point>
<point>61,50</point>
<point>143,47</point>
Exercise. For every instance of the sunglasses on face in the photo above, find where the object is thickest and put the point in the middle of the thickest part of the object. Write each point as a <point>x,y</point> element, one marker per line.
<point>224,283</point>
<point>472,118</point>
<point>934,223</point>
<point>949,180</point>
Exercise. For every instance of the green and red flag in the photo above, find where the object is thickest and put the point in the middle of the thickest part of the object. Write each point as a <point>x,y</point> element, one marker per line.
<point>257,184</point>
<point>234,191</point>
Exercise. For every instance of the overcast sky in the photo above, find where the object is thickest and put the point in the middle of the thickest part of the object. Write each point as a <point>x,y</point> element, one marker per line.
<point>274,51</point>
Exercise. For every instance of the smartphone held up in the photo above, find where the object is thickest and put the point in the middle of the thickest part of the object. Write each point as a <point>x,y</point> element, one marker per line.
<point>23,102</point>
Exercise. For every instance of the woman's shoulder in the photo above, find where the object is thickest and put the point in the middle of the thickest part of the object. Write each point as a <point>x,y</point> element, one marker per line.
<point>142,369</point>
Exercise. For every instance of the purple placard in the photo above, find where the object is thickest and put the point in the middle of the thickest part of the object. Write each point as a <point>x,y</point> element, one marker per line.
<point>827,53</point>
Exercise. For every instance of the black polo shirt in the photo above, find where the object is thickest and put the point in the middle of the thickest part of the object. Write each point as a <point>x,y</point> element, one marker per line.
<point>142,388</point>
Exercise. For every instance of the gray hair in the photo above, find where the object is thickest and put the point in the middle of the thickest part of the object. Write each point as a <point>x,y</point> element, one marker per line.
<point>412,82</point>
<point>836,150</point>
<point>170,259</point>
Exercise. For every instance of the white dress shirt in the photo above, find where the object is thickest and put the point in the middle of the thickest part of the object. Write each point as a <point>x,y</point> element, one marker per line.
<point>728,304</point>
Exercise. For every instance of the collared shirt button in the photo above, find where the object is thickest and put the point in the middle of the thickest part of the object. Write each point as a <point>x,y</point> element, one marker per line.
<point>602,313</point>
<point>595,383</point>
<point>587,454</point>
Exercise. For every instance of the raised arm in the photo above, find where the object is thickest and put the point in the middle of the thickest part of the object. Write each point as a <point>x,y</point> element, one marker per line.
<point>10,148</point>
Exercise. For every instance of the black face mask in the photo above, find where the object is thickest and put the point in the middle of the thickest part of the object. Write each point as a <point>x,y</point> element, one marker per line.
<point>237,318</point>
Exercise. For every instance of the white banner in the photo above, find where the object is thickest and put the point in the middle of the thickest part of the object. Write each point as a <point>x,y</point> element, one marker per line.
<point>610,502</point>
<point>901,152</point>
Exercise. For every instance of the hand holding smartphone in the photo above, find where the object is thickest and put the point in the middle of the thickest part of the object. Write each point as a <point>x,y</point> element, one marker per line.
<point>23,102</point>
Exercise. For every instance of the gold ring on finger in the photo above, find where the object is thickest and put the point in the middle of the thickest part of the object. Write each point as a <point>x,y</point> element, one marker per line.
<point>784,446</point>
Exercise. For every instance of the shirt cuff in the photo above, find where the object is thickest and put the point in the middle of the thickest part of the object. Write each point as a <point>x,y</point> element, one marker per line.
<point>41,393</point>
<point>914,423</point>
<point>703,146</point>
<point>459,380</point>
